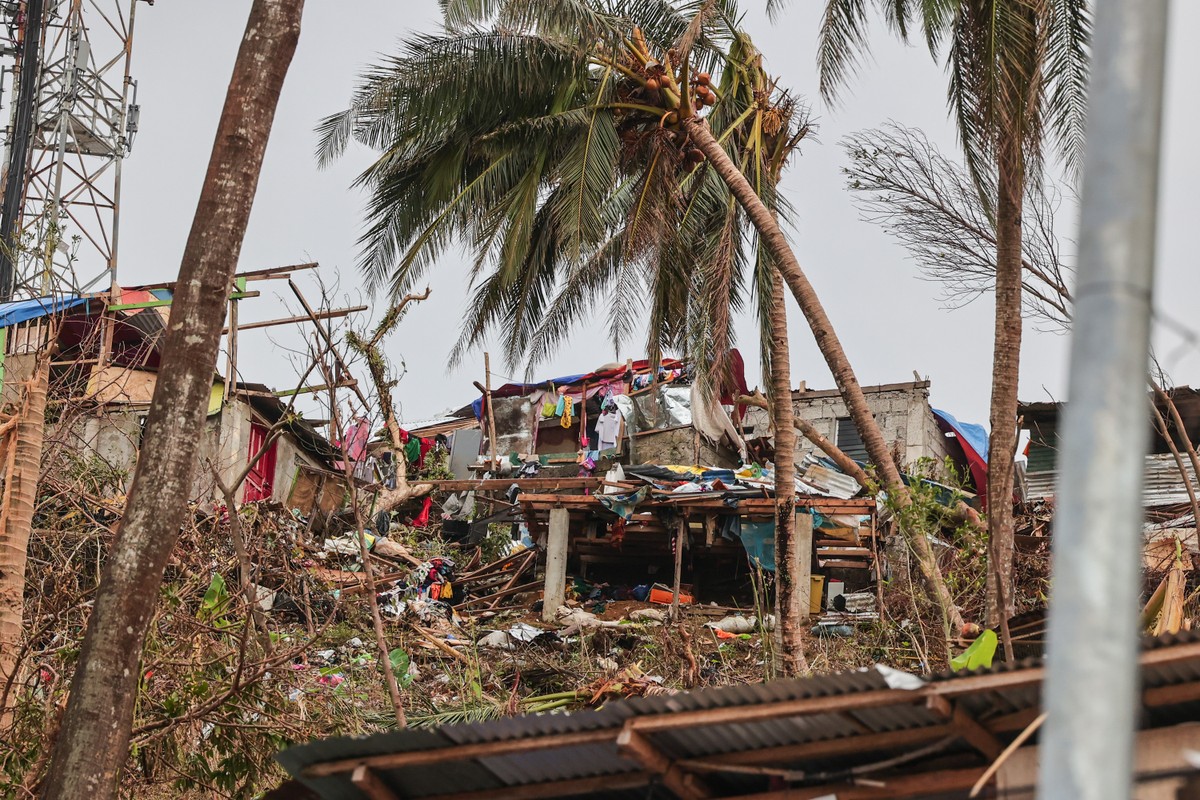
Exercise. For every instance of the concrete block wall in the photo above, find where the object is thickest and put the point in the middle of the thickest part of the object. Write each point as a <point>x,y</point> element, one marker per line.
<point>902,411</point>
<point>113,437</point>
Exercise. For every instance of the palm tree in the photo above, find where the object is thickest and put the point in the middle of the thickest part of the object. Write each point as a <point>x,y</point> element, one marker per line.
<point>21,453</point>
<point>1018,70</point>
<point>561,143</point>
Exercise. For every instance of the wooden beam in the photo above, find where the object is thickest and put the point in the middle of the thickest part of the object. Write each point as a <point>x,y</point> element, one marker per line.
<point>310,389</point>
<point>785,708</point>
<point>764,506</point>
<point>251,275</point>
<point>337,355</point>
<point>1170,695</point>
<point>421,758</point>
<point>370,784</point>
<point>828,748</point>
<point>536,791</point>
<point>965,726</point>
<point>273,272</point>
<point>921,784</point>
<point>162,303</point>
<point>683,785</point>
<point>500,484</point>
<point>335,313</point>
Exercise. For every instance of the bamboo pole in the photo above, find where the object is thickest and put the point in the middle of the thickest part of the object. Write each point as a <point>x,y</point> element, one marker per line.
<point>491,414</point>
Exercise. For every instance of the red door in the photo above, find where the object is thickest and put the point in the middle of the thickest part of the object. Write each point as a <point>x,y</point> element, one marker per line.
<point>260,482</point>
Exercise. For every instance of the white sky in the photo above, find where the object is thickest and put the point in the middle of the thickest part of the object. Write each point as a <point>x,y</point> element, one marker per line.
<point>889,320</point>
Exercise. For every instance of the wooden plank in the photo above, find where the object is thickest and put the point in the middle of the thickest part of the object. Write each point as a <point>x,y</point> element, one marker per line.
<point>828,748</point>
<point>764,506</point>
<point>861,552</point>
<point>267,323</point>
<point>833,563</point>
<point>501,484</point>
<point>420,758</point>
<point>162,303</point>
<point>370,784</point>
<point>252,275</point>
<point>536,791</point>
<point>324,332</point>
<point>632,744</point>
<point>921,784</point>
<point>966,727</point>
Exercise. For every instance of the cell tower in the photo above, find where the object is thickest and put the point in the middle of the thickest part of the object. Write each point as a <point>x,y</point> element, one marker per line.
<point>72,123</point>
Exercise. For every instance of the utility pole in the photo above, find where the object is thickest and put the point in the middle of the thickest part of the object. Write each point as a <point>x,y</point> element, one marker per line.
<point>27,70</point>
<point>1091,690</point>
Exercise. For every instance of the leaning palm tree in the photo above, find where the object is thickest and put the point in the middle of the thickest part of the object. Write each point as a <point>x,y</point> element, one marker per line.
<point>563,143</point>
<point>1017,75</point>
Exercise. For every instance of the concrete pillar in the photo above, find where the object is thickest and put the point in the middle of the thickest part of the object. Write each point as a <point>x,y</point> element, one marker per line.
<point>556,563</point>
<point>804,551</point>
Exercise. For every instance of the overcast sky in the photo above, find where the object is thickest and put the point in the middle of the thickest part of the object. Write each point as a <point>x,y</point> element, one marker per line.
<point>889,320</point>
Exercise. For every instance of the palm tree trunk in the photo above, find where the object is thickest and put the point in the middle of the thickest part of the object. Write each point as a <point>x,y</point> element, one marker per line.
<point>788,551</point>
<point>22,470</point>
<point>1006,361</point>
<point>831,348</point>
<point>94,740</point>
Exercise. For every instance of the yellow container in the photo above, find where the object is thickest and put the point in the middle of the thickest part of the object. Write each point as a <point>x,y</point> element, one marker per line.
<point>814,598</point>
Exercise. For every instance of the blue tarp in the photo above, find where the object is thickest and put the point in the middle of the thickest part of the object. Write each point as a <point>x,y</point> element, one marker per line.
<point>974,435</point>
<point>759,540</point>
<point>18,311</point>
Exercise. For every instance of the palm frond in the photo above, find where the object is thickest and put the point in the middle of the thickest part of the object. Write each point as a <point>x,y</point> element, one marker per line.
<point>1066,68</point>
<point>841,43</point>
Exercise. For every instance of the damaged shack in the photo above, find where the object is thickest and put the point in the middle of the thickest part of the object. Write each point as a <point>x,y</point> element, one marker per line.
<point>105,350</point>
<point>632,476</point>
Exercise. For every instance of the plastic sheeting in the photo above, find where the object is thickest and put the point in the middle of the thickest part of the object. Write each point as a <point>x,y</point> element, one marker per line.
<point>18,311</point>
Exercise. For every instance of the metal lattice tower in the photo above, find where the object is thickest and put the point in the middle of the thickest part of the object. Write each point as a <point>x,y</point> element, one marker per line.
<point>84,120</point>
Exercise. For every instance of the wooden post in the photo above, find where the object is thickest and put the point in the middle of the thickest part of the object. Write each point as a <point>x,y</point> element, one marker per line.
<point>231,368</point>
<point>555,593</point>
<point>680,532</point>
<point>491,414</point>
<point>655,366</point>
<point>878,568</point>
<point>804,555</point>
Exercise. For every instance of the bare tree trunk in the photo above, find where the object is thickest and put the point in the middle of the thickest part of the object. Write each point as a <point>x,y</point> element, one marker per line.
<point>1006,365</point>
<point>377,366</point>
<point>94,742</point>
<point>788,595</point>
<point>22,469</point>
<point>830,347</point>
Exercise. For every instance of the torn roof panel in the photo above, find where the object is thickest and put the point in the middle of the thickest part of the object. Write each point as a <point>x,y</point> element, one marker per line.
<point>15,312</point>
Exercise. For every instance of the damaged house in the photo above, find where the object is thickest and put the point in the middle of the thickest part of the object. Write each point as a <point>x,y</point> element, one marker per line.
<point>921,437</point>
<point>619,412</point>
<point>624,470</point>
<point>1165,486</point>
<point>102,377</point>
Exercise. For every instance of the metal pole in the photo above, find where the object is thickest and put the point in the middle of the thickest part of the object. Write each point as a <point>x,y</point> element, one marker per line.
<point>123,145</point>
<point>22,134</point>
<point>1091,691</point>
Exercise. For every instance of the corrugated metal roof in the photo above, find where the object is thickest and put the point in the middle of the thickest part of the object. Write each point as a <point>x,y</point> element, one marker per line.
<point>718,725</point>
<point>1163,484</point>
